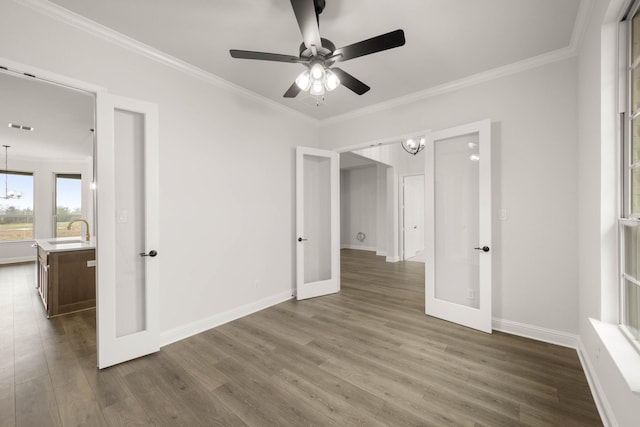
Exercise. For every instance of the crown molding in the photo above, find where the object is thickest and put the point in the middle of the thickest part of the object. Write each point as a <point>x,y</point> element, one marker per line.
<point>455,85</point>
<point>82,23</point>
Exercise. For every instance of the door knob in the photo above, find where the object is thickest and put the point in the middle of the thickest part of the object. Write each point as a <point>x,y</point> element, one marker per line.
<point>300,239</point>
<point>151,254</point>
<point>483,249</point>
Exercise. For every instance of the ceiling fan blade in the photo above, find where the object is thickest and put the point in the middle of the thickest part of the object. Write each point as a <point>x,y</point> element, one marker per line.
<point>350,82</point>
<point>293,91</point>
<point>369,46</point>
<point>305,12</point>
<point>264,56</point>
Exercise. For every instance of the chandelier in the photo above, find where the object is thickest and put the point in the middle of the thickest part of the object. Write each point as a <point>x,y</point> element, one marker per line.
<point>8,194</point>
<point>413,145</point>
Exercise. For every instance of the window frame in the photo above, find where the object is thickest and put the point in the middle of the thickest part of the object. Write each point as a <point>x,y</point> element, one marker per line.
<point>627,218</point>
<point>65,175</point>
<point>33,203</point>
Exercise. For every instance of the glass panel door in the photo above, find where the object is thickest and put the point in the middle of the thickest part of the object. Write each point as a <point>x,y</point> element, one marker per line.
<point>317,218</point>
<point>127,238</point>
<point>317,223</point>
<point>456,214</point>
<point>458,225</point>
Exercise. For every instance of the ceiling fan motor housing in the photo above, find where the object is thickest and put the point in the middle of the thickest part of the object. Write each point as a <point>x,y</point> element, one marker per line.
<point>327,49</point>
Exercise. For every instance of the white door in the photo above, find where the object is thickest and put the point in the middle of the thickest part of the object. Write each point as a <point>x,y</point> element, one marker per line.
<point>413,214</point>
<point>458,225</point>
<point>317,223</point>
<point>127,229</point>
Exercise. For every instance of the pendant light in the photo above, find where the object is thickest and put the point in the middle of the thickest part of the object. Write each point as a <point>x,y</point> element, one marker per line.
<point>413,145</point>
<point>8,194</point>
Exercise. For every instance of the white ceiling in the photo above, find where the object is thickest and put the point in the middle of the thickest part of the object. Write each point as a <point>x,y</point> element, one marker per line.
<point>62,120</point>
<point>446,40</point>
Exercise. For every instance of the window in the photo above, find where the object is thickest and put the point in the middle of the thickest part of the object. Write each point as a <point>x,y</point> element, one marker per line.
<point>629,223</point>
<point>16,214</point>
<point>68,204</point>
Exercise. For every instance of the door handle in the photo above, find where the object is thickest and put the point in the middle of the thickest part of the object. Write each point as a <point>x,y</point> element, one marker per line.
<point>483,249</point>
<point>151,254</point>
<point>300,239</point>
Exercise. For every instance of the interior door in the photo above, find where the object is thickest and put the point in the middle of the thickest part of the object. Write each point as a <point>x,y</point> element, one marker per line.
<point>413,214</point>
<point>458,225</point>
<point>127,229</point>
<point>317,223</point>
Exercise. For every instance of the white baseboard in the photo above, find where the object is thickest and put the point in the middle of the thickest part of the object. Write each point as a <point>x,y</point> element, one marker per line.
<point>535,332</point>
<point>17,260</point>
<point>359,247</point>
<point>194,328</point>
<point>393,259</point>
<point>599,397</point>
<point>381,253</point>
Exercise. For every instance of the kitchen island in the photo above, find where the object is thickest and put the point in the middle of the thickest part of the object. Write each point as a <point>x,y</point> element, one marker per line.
<point>66,274</point>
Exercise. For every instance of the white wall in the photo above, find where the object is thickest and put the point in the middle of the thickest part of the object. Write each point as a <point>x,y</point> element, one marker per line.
<point>597,209</point>
<point>359,205</point>
<point>534,133</point>
<point>44,187</point>
<point>219,205</point>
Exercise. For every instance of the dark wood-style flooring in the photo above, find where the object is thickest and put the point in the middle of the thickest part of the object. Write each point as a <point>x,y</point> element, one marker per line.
<point>367,356</point>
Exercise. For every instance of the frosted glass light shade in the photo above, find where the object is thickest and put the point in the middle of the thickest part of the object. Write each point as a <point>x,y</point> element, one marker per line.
<point>332,81</point>
<point>317,88</point>
<point>303,81</point>
<point>317,71</point>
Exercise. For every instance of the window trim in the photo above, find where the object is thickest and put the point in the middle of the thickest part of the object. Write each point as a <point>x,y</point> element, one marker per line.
<point>33,204</point>
<point>625,187</point>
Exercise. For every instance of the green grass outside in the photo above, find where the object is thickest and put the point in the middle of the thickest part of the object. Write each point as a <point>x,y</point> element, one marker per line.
<point>24,231</point>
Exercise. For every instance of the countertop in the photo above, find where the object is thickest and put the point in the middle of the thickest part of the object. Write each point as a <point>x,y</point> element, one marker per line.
<point>65,244</point>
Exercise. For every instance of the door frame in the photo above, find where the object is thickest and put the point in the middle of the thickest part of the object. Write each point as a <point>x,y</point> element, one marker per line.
<point>393,189</point>
<point>396,139</point>
<point>20,70</point>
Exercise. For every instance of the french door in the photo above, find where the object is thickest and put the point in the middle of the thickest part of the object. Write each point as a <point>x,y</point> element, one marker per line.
<point>127,229</point>
<point>458,225</point>
<point>317,223</point>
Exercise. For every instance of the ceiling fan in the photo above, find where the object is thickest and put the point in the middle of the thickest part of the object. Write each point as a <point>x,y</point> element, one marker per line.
<point>319,54</point>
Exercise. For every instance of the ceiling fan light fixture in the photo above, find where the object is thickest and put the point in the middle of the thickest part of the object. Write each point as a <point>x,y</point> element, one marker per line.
<point>332,81</point>
<point>317,88</point>
<point>303,81</point>
<point>317,71</point>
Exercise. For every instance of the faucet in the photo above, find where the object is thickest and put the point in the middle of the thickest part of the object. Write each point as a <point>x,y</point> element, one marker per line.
<point>87,237</point>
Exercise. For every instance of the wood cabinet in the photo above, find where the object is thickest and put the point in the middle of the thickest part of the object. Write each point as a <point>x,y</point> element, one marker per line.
<point>67,280</point>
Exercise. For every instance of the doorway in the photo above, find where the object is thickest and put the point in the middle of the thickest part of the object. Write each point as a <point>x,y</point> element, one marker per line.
<point>124,124</point>
<point>473,162</point>
<point>372,214</point>
<point>413,218</point>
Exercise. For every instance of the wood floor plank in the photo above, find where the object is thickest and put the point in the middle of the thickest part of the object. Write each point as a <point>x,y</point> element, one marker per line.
<point>365,356</point>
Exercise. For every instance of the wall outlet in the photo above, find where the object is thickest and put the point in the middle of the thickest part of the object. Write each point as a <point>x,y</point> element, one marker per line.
<point>91,263</point>
<point>502,214</point>
<point>471,294</point>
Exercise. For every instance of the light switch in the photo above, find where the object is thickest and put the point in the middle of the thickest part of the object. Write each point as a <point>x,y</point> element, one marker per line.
<point>502,214</point>
<point>122,217</point>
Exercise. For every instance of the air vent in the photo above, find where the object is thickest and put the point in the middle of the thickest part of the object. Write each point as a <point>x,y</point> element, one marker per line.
<point>23,127</point>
